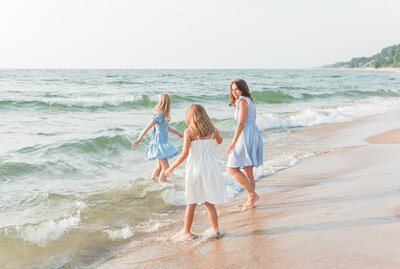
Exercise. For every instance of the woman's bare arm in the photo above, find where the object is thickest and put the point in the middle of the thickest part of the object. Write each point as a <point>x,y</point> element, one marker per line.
<point>241,122</point>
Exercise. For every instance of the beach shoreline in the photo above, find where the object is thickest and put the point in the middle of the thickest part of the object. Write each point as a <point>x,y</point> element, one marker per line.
<point>337,209</point>
<point>385,69</point>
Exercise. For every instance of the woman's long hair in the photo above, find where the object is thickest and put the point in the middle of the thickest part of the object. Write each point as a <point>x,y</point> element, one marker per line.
<point>164,105</point>
<point>242,86</point>
<point>198,121</point>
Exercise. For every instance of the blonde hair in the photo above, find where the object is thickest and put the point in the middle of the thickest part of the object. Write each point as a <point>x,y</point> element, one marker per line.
<point>164,105</point>
<point>198,120</point>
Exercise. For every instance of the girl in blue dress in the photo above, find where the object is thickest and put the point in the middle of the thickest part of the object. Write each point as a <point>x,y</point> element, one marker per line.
<point>246,148</point>
<point>159,148</point>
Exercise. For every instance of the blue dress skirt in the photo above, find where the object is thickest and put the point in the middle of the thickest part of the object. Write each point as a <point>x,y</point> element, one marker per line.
<point>159,148</point>
<point>248,150</point>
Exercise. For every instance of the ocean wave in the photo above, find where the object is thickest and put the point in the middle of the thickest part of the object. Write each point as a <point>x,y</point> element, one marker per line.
<point>54,160</point>
<point>281,97</point>
<point>224,126</point>
<point>107,145</point>
<point>18,169</point>
<point>56,169</point>
<point>128,82</point>
<point>314,116</point>
<point>83,102</point>
<point>118,234</point>
<point>199,98</point>
<point>42,233</point>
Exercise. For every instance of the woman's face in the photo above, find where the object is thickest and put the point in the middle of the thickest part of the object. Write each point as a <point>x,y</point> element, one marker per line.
<point>235,91</point>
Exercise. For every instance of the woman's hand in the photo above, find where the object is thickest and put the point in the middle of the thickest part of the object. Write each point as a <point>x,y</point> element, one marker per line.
<point>135,143</point>
<point>230,148</point>
<point>180,135</point>
<point>168,172</point>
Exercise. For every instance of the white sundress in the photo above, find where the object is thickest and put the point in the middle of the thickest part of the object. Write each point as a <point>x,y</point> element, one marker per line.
<point>204,178</point>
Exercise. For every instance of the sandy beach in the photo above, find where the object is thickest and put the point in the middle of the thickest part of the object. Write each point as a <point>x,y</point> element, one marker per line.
<point>337,209</point>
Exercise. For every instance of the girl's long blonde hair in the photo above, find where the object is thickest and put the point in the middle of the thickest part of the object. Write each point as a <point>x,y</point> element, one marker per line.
<point>198,120</point>
<point>164,105</point>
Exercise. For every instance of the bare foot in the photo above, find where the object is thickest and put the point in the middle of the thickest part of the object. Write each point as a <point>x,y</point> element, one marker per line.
<point>246,206</point>
<point>211,233</point>
<point>191,236</point>
<point>252,198</point>
<point>398,211</point>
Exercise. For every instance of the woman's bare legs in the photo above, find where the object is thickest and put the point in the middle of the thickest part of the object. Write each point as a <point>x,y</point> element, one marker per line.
<point>164,166</point>
<point>189,214</point>
<point>157,170</point>
<point>252,197</point>
<point>212,216</point>
<point>248,171</point>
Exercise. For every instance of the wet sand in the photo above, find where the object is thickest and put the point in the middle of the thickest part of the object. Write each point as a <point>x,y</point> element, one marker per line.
<point>391,137</point>
<point>337,209</point>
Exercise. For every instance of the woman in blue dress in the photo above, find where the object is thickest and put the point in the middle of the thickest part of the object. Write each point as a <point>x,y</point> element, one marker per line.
<point>159,148</point>
<point>246,149</point>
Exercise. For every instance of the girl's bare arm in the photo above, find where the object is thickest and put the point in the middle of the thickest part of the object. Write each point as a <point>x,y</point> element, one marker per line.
<point>217,137</point>
<point>184,154</point>
<point>136,142</point>
<point>175,132</point>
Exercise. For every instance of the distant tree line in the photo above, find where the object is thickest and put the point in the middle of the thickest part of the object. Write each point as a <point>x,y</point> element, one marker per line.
<point>388,57</point>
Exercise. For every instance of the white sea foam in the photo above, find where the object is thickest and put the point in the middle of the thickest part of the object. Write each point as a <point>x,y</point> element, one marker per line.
<point>268,168</point>
<point>173,197</point>
<point>281,162</point>
<point>48,231</point>
<point>118,234</point>
<point>315,116</point>
<point>152,226</point>
<point>93,101</point>
<point>90,101</point>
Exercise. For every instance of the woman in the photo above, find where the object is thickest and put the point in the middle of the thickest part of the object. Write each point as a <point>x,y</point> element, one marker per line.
<point>246,149</point>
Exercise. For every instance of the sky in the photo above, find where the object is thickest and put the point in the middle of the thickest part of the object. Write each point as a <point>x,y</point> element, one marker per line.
<point>193,33</point>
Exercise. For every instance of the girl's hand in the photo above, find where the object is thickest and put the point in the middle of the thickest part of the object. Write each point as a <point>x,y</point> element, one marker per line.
<point>180,135</point>
<point>168,172</point>
<point>135,143</point>
<point>230,148</point>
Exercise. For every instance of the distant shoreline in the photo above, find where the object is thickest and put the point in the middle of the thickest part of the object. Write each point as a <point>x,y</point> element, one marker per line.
<point>387,69</point>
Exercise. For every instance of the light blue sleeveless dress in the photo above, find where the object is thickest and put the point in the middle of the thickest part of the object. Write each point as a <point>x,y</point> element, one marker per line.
<point>248,150</point>
<point>159,148</point>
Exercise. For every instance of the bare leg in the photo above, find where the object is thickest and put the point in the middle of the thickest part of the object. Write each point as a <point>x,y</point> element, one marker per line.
<point>164,165</point>
<point>248,171</point>
<point>157,170</point>
<point>212,216</point>
<point>252,197</point>
<point>189,214</point>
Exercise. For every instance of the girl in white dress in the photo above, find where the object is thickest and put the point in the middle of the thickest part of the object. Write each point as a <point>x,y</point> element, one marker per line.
<point>204,178</point>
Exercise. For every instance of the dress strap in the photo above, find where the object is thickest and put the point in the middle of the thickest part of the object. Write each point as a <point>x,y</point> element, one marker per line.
<point>212,134</point>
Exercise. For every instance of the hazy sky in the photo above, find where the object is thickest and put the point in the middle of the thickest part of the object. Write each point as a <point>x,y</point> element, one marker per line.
<point>193,34</point>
